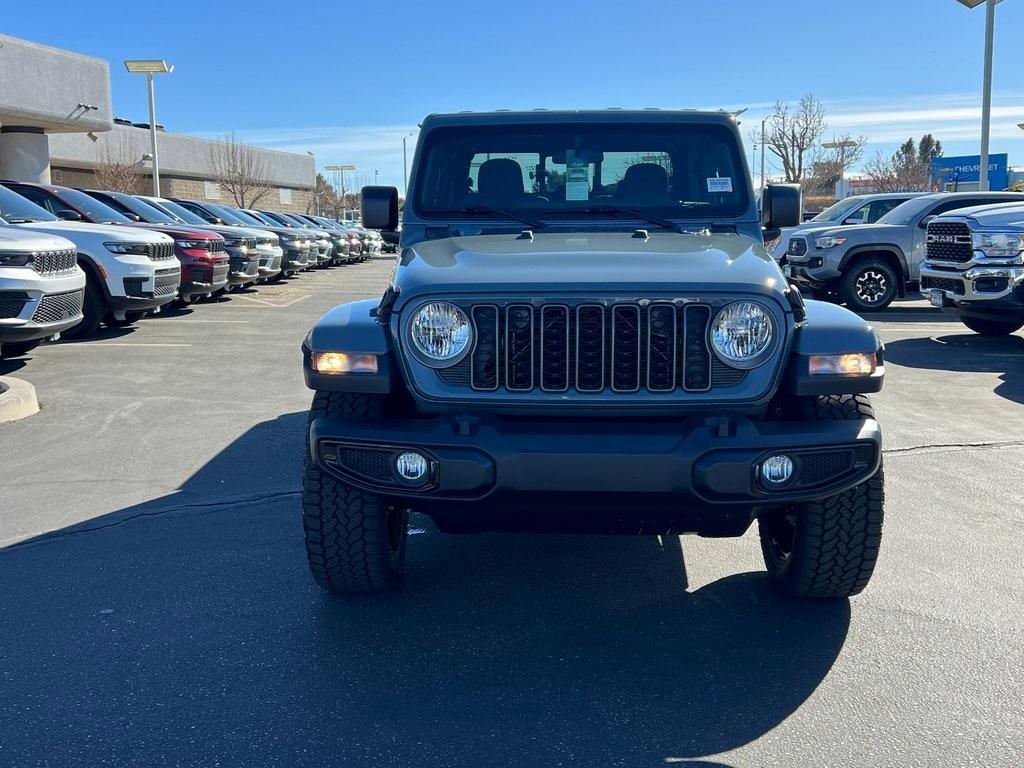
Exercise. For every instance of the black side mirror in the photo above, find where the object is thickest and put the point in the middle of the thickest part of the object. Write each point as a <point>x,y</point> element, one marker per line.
<point>781,206</point>
<point>68,215</point>
<point>380,208</point>
<point>134,216</point>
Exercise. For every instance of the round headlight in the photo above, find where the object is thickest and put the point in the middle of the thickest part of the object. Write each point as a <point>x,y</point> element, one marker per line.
<point>742,333</point>
<point>441,333</point>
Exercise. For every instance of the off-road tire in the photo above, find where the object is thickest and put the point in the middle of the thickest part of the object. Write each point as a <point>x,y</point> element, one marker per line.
<point>93,310</point>
<point>987,327</point>
<point>869,285</point>
<point>11,349</point>
<point>827,548</point>
<point>355,541</point>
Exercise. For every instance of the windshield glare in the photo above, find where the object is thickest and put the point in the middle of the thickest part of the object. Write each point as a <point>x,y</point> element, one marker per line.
<point>245,218</point>
<point>179,211</point>
<point>904,213</point>
<point>837,211</point>
<point>94,209</point>
<point>147,213</point>
<point>681,171</point>
<point>15,208</point>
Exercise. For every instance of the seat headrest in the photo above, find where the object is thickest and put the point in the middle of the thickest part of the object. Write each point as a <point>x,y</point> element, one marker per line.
<point>500,178</point>
<point>644,180</point>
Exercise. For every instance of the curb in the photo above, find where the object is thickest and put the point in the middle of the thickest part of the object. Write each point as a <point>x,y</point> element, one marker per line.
<point>17,399</point>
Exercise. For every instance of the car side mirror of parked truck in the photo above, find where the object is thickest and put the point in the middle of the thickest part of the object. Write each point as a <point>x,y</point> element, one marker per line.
<point>380,208</point>
<point>780,208</point>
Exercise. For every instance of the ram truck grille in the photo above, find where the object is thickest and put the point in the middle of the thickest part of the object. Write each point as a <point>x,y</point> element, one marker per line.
<point>949,241</point>
<point>589,348</point>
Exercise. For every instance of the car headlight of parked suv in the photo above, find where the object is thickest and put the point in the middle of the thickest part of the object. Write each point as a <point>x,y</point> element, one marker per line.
<point>16,259</point>
<point>203,245</point>
<point>742,334</point>
<point>999,245</point>
<point>441,334</point>
<point>139,249</point>
<point>828,242</point>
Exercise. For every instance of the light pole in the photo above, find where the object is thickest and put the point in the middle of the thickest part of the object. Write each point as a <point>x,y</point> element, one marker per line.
<point>762,159</point>
<point>405,165</point>
<point>986,96</point>
<point>375,172</point>
<point>340,169</point>
<point>151,67</point>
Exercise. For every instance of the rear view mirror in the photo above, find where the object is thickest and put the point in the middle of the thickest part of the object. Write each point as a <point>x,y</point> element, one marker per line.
<point>68,215</point>
<point>380,208</point>
<point>851,222</point>
<point>781,206</point>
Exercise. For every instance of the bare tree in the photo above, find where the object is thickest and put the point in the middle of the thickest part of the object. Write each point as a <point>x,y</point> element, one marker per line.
<point>829,164</point>
<point>909,169</point>
<point>791,133</point>
<point>324,197</point>
<point>117,169</point>
<point>240,170</point>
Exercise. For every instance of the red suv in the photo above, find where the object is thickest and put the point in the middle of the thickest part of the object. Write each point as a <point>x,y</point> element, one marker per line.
<point>204,260</point>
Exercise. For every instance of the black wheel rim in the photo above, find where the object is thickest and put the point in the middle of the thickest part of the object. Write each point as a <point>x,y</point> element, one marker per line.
<point>871,286</point>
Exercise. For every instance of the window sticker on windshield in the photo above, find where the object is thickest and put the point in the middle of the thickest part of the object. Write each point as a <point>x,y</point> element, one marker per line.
<point>720,184</point>
<point>577,178</point>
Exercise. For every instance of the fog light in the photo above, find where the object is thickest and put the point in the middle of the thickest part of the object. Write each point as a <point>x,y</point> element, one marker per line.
<point>341,362</point>
<point>412,467</point>
<point>777,469</point>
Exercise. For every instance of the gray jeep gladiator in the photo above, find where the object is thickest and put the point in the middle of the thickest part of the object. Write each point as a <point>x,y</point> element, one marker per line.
<point>584,333</point>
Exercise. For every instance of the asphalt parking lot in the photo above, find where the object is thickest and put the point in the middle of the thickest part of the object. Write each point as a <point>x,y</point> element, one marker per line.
<point>157,610</point>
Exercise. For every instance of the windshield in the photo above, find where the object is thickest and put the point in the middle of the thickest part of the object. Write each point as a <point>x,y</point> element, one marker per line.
<point>224,213</point>
<point>904,213</point>
<point>94,210</point>
<point>680,171</point>
<point>245,218</point>
<point>837,211</point>
<point>15,209</point>
<point>146,212</point>
<point>178,211</point>
<point>281,220</point>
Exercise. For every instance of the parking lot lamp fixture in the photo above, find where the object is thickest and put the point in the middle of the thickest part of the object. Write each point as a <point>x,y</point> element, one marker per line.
<point>150,67</point>
<point>986,96</point>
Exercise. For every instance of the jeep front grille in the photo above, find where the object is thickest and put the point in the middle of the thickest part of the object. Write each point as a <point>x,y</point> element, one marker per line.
<point>161,251</point>
<point>51,262</point>
<point>59,306</point>
<point>589,347</point>
<point>949,241</point>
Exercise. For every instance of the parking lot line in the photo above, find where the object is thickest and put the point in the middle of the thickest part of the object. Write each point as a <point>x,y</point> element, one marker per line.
<point>120,344</point>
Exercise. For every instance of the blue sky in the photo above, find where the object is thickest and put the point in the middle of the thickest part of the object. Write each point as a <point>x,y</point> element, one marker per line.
<point>347,81</point>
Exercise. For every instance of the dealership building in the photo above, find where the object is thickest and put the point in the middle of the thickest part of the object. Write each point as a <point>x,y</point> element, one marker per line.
<point>57,126</point>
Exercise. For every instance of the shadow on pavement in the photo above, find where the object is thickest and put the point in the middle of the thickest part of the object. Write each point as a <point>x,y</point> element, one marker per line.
<point>966,353</point>
<point>187,631</point>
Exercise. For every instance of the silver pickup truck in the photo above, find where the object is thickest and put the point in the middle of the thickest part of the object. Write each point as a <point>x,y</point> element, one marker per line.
<point>975,267</point>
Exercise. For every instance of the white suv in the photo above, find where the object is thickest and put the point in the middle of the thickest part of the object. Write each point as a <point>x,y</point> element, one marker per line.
<point>129,271</point>
<point>41,289</point>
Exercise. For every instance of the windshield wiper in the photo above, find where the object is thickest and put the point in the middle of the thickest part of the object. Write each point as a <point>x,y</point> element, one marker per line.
<point>486,210</point>
<point>614,210</point>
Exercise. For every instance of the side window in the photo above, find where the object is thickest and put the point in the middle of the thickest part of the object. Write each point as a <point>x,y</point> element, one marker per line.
<point>859,216</point>
<point>881,207</point>
<point>952,205</point>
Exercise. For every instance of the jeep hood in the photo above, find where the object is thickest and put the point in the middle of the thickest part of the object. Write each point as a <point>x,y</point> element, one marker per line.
<point>13,239</point>
<point>601,263</point>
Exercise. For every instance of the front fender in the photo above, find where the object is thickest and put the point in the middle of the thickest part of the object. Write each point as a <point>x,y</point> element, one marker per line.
<point>353,328</point>
<point>831,330</point>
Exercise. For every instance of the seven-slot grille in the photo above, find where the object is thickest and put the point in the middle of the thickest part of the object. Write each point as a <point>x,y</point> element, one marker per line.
<point>949,241</point>
<point>217,246</point>
<point>797,246</point>
<point>50,262</point>
<point>59,306</point>
<point>159,251</point>
<point>589,347</point>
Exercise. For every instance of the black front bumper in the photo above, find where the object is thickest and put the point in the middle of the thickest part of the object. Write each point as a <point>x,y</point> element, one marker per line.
<point>701,472</point>
<point>244,271</point>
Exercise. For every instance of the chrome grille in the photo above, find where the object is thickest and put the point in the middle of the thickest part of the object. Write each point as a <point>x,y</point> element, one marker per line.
<point>217,246</point>
<point>623,347</point>
<point>59,306</point>
<point>949,241</point>
<point>161,251</point>
<point>50,262</point>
